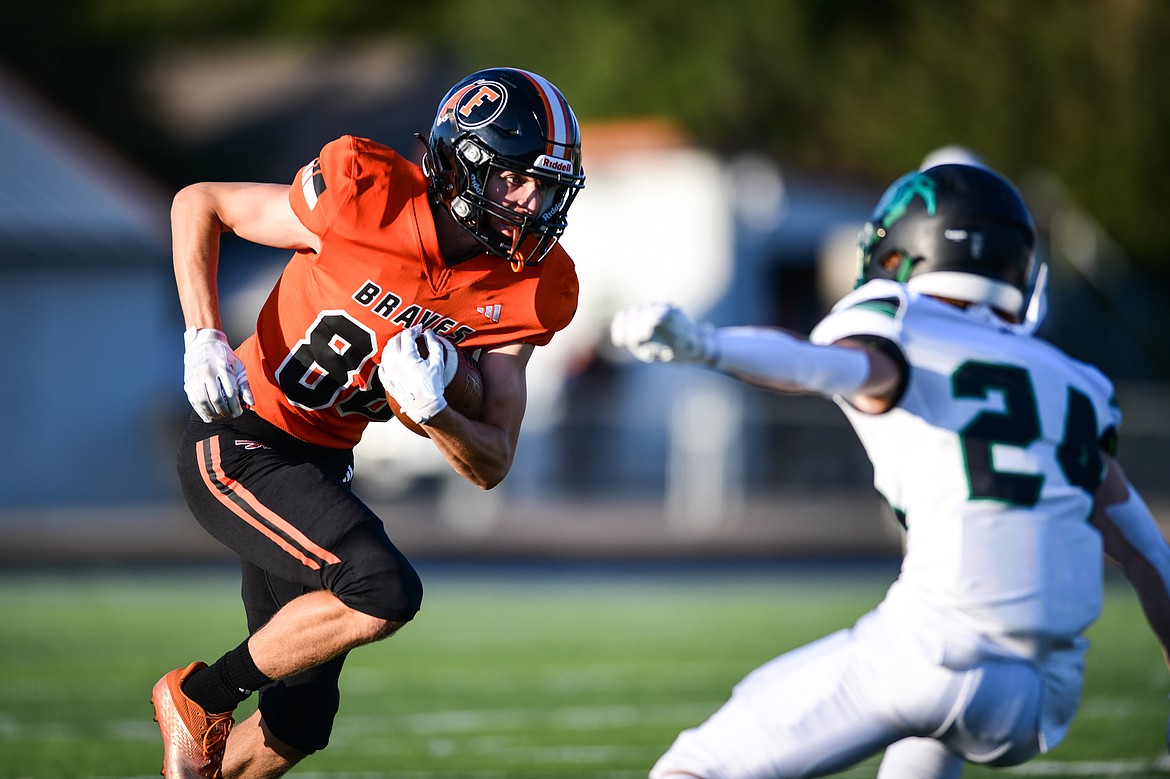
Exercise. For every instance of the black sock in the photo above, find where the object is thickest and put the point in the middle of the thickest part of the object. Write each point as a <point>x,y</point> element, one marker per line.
<point>225,683</point>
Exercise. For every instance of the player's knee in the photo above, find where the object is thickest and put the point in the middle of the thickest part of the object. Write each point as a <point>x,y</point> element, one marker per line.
<point>386,598</point>
<point>368,629</point>
<point>1000,723</point>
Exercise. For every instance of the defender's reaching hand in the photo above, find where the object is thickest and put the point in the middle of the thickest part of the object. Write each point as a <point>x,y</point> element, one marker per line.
<point>662,332</point>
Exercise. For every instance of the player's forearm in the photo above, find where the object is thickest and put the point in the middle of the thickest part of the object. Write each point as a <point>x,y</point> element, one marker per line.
<point>1147,577</point>
<point>1133,540</point>
<point>775,359</point>
<point>479,452</point>
<point>482,450</point>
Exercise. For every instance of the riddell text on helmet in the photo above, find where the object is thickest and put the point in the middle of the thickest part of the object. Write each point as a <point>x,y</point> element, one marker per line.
<point>554,164</point>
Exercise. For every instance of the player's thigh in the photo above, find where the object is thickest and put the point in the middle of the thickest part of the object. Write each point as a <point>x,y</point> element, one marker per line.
<point>263,504</point>
<point>298,521</point>
<point>809,712</point>
<point>985,709</point>
<point>1064,674</point>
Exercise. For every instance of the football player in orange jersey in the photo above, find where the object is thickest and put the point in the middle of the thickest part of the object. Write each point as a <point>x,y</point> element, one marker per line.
<point>384,252</point>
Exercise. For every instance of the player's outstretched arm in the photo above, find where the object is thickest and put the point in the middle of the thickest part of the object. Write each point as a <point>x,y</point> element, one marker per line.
<point>767,357</point>
<point>1134,542</point>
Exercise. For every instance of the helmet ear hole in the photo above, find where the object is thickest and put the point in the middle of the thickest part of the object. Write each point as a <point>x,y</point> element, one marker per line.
<point>890,262</point>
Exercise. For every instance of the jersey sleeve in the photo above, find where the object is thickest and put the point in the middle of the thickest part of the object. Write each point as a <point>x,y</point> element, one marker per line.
<point>556,296</point>
<point>322,188</point>
<point>875,310</point>
<point>1108,409</point>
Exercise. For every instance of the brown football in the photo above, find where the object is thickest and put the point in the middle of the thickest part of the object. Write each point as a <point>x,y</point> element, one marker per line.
<point>464,393</point>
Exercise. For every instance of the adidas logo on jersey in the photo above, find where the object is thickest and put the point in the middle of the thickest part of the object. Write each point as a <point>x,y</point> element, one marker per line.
<point>491,312</point>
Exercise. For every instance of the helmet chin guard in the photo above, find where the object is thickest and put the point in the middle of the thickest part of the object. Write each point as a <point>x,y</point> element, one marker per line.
<point>970,287</point>
<point>956,231</point>
<point>498,121</point>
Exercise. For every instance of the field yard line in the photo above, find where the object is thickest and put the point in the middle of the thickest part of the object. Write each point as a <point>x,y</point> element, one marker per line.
<point>454,721</point>
<point>1135,769</point>
<point>1128,769</point>
<point>523,718</point>
<point>444,774</point>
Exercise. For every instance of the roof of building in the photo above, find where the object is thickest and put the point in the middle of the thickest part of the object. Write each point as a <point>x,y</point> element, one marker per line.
<point>66,200</point>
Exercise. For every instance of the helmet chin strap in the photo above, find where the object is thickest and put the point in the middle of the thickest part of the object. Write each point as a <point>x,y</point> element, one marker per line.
<point>514,255</point>
<point>1037,303</point>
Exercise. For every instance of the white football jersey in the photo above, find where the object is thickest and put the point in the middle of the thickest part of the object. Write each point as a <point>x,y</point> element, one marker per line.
<point>990,458</point>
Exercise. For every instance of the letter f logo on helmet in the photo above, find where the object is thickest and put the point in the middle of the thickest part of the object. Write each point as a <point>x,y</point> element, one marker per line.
<point>489,94</point>
<point>473,105</point>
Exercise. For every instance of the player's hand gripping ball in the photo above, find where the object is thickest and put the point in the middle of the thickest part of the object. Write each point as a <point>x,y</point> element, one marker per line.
<point>424,374</point>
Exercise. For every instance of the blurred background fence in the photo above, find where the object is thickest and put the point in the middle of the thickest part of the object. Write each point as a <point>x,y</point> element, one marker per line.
<point>731,156</point>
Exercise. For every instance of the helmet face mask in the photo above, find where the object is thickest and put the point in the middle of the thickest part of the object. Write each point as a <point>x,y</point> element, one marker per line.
<point>498,123</point>
<point>956,231</point>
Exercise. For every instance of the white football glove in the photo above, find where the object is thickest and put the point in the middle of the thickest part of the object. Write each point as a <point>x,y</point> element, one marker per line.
<point>417,384</point>
<point>662,332</point>
<point>213,377</point>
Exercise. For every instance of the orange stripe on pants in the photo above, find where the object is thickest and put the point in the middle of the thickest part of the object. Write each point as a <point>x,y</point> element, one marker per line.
<point>232,494</point>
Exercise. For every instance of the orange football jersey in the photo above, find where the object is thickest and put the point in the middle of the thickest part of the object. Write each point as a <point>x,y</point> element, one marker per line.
<point>312,362</point>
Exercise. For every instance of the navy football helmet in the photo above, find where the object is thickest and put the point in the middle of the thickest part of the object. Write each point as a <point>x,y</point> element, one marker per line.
<point>505,119</point>
<point>956,231</point>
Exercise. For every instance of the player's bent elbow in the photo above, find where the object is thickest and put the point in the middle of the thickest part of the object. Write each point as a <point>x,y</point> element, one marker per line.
<point>182,202</point>
<point>195,202</point>
<point>192,193</point>
<point>487,481</point>
<point>489,475</point>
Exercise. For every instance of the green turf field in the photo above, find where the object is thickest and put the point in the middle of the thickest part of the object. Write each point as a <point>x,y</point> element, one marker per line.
<point>506,674</point>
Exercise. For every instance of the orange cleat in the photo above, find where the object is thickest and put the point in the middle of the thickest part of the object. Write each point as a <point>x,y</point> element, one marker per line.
<point>193,740</point>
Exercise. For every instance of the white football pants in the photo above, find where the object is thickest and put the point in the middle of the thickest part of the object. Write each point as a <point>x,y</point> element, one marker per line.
<point>831,704</point>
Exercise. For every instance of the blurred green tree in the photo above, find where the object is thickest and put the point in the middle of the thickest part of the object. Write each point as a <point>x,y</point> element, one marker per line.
<point>865,88</point>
